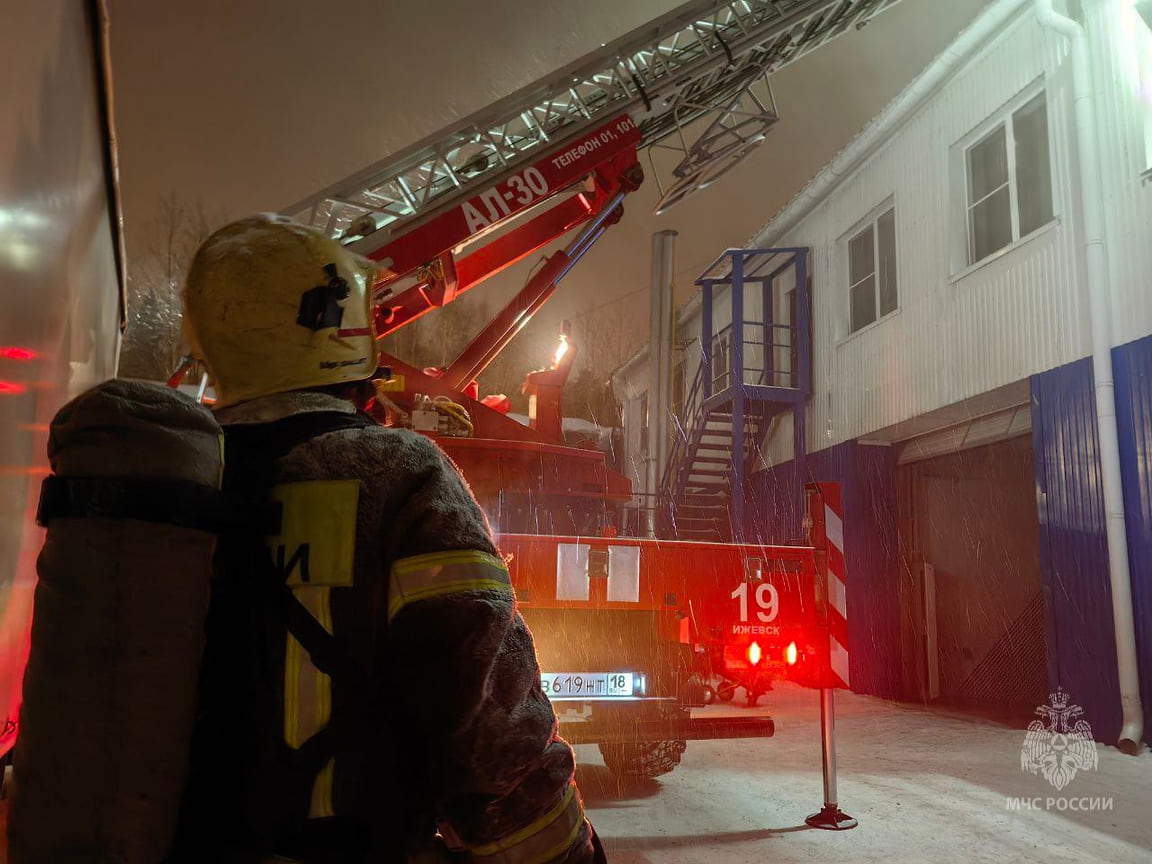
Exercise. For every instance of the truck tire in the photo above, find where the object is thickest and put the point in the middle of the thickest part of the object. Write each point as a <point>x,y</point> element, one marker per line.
<point>647,759</point>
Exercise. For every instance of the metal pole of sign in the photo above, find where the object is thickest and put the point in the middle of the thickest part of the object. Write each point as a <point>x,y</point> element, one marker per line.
<point>831,818</point>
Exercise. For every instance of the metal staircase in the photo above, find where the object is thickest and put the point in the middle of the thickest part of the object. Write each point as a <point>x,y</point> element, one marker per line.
<point>731,403</point>
<point>699,506</point>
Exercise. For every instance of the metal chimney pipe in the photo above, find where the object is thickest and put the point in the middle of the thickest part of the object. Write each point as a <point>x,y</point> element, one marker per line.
<point>660,362</point>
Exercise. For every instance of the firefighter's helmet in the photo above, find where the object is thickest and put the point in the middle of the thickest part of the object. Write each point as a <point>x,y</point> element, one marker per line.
<point>271,305</point>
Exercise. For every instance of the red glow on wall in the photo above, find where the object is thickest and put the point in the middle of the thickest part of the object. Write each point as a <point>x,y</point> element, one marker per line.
<point>11,352</point>
<point>11,388</point>
<point>23,471</point>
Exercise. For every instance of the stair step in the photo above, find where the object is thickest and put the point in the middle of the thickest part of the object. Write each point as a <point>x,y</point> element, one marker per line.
<point>701,537</point>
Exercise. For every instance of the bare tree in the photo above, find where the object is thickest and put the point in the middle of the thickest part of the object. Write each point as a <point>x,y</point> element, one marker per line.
<point>153,342</point>
<point>608,335</point>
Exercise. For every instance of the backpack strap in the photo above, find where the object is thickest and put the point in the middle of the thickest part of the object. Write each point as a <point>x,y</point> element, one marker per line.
<point>251,453</point>
<point>170,502</point>
<point>254,450</point>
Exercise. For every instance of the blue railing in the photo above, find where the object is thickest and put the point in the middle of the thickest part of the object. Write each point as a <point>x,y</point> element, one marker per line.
<point>766,370</point>
<point>685,427</point>
<point>750,372</point>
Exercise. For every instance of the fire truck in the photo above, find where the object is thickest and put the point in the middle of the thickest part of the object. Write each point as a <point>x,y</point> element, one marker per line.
<point>635,634</point>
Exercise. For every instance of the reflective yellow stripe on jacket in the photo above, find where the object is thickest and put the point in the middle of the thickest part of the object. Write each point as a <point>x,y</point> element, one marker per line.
<point>423,577</point>
<point>315,550</point>
<point>547,838</point>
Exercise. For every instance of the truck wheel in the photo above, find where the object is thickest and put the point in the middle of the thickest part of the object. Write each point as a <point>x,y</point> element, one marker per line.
<point>644,760</point>
<point>726,691</point>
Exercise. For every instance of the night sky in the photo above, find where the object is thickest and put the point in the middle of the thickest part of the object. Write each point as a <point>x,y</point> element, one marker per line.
<point>251,106</point>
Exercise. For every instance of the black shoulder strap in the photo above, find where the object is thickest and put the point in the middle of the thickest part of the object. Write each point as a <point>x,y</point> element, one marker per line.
<point>251,452</point>
<point>259,445</point>
<point>250,609</point>
<point>162,501</point>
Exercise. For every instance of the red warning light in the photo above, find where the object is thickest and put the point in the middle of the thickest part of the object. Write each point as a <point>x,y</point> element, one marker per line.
<point>754,653</point>
<point>790,654</point>
<point>11,352</point>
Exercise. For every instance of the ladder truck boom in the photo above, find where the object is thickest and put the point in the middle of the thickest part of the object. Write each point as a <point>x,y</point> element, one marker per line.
<point>696,61</point>
<point>704,64</point>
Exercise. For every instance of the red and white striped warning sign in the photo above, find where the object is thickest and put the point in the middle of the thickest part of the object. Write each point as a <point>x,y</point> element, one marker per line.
<point>828,500</point>
<point>837,580</point>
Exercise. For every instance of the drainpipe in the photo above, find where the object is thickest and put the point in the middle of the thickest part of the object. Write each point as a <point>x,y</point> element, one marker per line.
<point>1100,312</point>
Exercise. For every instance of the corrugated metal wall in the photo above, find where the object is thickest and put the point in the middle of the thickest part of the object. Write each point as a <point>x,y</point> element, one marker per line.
<point>1133,367</point>
<point>955,334</point>
<point>868,478</point>
<point>1073,549</point>
<point>1119,39</point>
<point>960,334</point>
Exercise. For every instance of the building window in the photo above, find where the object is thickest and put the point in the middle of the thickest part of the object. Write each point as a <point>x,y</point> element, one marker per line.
<point>1009,180</point>
<point>644,425</point>
<point>721,361</point>
<point>678,390</point>
<point>1140,32</point>
<point>872,270</point>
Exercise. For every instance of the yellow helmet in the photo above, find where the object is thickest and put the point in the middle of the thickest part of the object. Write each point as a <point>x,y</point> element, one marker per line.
<point>271,305</point>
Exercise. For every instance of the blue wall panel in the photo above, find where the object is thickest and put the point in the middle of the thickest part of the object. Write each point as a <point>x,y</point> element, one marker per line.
<point>1132,364</point>
<point>1073,549</point>
<point>868,478</point>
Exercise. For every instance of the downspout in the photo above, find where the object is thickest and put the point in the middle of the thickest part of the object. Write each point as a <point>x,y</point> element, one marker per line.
<point>1100,312</point>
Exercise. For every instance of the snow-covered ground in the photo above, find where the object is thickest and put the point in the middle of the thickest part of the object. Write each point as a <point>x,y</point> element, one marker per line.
<point>926,786</point>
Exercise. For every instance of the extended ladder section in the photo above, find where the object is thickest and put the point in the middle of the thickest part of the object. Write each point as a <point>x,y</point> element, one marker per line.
<point>462,205</point>
<point>562,151</point>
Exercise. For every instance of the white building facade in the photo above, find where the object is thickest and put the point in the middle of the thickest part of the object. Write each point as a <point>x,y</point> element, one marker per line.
<point>951,324</point>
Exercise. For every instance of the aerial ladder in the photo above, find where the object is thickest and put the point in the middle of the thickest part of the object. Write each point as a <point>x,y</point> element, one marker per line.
<point>558,158</point>
<point>692,88</point>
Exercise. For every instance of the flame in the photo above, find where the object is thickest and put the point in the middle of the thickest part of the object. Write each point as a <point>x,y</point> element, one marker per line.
<point>561,350</point>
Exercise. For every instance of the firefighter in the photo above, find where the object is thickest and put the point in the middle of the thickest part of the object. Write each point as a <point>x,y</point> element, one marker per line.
<point>390,684</point>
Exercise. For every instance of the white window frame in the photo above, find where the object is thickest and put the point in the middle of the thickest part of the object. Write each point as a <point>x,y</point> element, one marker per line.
<point>642,405</point>
<point>1141,35</point>
<point>679,383</point>
<point>1003,116</point>
<point>871,221</point>
<point>844,245</point>
<point>721,354</point>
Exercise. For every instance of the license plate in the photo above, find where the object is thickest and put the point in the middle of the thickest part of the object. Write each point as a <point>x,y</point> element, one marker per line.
<point>586,685</point>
